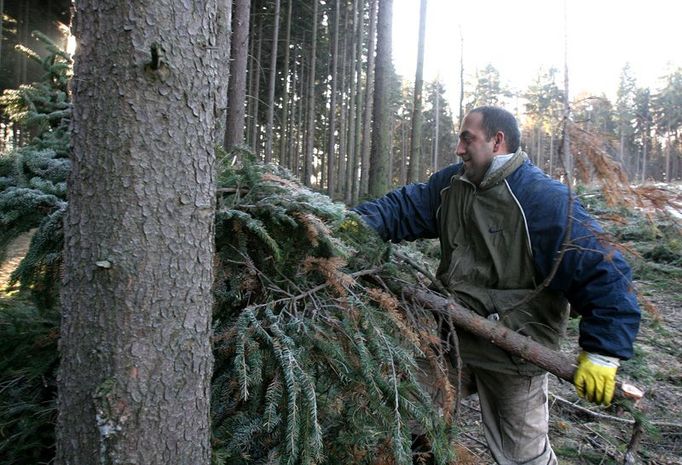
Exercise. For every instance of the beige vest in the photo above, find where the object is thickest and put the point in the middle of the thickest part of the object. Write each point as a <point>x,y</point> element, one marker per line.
<point>487,263</point>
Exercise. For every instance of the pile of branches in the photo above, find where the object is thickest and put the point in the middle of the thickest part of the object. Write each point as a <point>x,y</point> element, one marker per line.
<point>315,358</point>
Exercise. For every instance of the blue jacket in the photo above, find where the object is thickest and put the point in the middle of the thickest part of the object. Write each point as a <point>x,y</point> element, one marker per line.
<point>592,275</point>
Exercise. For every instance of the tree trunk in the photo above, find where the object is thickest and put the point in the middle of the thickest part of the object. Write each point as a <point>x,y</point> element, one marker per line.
<point>271,84</point>
<point>236,90</point>
<point>310,142</point>
<point>300,120</point>
<point>369,99</point>
<point>355,181</point>
<point>252,75</point>
<point>566,142</point>
<point>255,129</point>
<point>136,358</point>
<point>381,126</point>
<point>644,156</point>
<point>416,134</point>
<point>331,138</point>
<point>403,153</point>
<point>286,135</point>
<point>343,117</point>
<point>668,147</point>
<point>352,105</point>
<point>436,136</point>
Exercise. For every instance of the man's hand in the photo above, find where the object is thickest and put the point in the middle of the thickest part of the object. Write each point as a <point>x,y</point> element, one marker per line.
<point>595,378</point>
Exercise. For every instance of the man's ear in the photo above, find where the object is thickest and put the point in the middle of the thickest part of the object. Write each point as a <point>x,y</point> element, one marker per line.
<point>500,145</point>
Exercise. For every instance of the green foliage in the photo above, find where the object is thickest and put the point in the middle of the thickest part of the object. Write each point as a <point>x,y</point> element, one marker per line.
<point>308,368</point>
<point>28,368</point>
<point>489,89</point>
<point>33,177</point>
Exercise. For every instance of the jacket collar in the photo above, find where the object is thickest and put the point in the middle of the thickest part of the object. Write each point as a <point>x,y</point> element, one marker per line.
<point>497,172</point>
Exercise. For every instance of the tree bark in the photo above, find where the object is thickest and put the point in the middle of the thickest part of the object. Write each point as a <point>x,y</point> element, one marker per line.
<point>255,129</point>
<point>566,142</point>
<point>236,90</point>
<point>310,137</point>
<point>300,120</point>
<point>343,114</point>
<point>381,126</point>
<point>331,138</point>
<point>271,85</point>
<point>369,99</point>
<point>355,181</point>
<point>436,135</point>
<point>252,75</point>
<point>136,357</point>
<point>354,72</point>
<point>285,135</point>
<point>416,134</point>
<point>644,155</point>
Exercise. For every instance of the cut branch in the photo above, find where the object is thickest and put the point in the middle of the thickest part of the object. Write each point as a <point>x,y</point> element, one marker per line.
<point>517,344</point>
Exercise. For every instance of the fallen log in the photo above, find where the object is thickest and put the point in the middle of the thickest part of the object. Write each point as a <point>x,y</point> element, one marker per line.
<point>515,343</point>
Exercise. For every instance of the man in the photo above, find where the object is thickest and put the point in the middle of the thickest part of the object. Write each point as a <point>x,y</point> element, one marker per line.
<point>501,223</point>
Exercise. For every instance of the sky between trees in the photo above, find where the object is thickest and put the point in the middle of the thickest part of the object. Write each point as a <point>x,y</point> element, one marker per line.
<point>520,37</point>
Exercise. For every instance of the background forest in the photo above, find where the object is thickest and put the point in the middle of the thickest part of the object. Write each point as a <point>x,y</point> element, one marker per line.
<point>309,90</point>
<point>314,355</point>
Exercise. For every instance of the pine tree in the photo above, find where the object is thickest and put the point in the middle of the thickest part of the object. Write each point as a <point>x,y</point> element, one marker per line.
<point>33,177</point>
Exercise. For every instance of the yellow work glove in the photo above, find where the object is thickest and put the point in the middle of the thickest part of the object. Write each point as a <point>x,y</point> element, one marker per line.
<point>595,378</point>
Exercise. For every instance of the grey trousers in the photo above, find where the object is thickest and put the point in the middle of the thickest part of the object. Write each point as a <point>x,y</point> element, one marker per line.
<point>515,417</point>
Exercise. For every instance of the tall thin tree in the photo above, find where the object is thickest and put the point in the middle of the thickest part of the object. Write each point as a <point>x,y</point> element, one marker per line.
<point>436,125</point>
<point>566,141</point>
<point>285,135</point>
<point>417,119</point>
<point>381,125</point>
<point>255,96</point>
<point>272,82</point>
<point>331,138</point>
<point>369,99</point>
<point>236,90</point>
<point>353,102</point>
<point>136,358</point>
<point>310,137</point>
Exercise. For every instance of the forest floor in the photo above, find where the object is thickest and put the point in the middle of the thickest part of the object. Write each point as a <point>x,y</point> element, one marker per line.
<point>579,437</point>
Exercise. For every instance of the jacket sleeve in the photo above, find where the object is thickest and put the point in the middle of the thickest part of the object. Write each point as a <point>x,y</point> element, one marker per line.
<point>593,275</point>
<point>408,213</point>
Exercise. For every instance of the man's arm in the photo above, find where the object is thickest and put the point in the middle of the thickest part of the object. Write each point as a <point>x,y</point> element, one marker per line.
<point>409,212</point>
<point>593,276</point>
<point>597,281</point>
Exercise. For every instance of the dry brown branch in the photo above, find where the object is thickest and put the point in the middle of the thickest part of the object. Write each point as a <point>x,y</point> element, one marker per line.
<point>514,343</point>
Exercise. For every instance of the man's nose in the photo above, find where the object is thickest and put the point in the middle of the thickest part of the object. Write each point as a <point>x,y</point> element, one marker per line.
<point>460,148</point>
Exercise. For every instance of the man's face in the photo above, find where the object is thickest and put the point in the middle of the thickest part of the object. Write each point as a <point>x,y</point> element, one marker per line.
<point>475,149</point>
